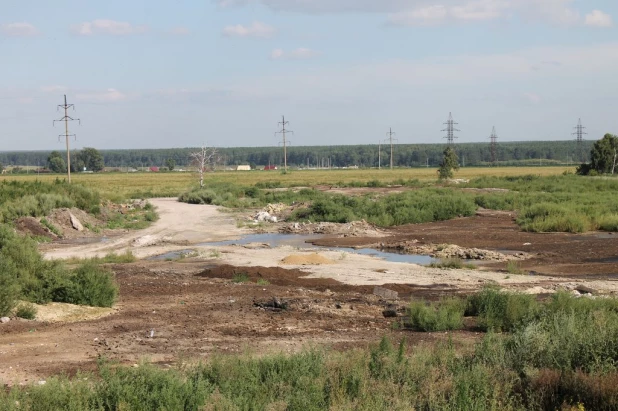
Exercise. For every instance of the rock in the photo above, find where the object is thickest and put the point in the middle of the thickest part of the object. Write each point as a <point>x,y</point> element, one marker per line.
<point>389,313</point>
<point>262,216</point>
<point>386,293</point>
<point>273,219</point>
<point>4,320</point>
<point>585,289</point>
<point>76,223</point>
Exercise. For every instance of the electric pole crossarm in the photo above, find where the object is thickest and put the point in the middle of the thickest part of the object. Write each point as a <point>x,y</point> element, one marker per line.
<point>66,119</point>
<point>283,132</point>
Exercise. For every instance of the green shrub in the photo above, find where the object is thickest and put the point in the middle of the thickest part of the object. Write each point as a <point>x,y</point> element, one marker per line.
<point>452,263</point>
<point>9,287</point>
<point>90,284</point>
<point>26,310</point>
<point>240,278</point>
<point>447,314</point>
<point>51,227</point>
<point>513,267</point>
<point>502,311</point>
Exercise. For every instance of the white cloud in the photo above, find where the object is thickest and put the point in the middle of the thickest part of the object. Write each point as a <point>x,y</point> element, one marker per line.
<point>108,96</point>
<point>179,31</point>
<point>533,98</point>
<point>599,19</point>
<point>297,54</point>
<point>256,29</point>
<point>110,27</point>
<point>19,30</point>
<point>427,12</point>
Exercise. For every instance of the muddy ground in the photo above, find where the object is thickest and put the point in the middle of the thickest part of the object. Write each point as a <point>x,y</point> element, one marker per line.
<point>191,308</point>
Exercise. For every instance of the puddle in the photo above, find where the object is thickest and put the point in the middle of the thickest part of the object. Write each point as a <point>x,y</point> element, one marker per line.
<point>172,255</point>
<point>82,240</point>
<point>300,241</point>
<point>273,240</point>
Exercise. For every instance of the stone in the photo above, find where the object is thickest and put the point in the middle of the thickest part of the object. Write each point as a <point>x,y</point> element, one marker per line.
<point>4,320</point>
<point>585,289</point>
<point>386,293</point>
<point>76,223</point>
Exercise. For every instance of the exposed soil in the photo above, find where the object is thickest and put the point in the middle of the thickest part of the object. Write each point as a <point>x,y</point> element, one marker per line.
<point>194,308</point>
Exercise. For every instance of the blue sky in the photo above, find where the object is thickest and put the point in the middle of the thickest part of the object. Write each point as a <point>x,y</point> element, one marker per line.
<point>157,74</point>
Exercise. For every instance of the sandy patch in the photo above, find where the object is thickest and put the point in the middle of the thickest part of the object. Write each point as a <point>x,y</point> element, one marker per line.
<point>306,259</point>
<point>67,313</point>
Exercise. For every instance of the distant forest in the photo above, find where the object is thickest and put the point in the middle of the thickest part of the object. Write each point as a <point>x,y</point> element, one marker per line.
<point>362,156</point>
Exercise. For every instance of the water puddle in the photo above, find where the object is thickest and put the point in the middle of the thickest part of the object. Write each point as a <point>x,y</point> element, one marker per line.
<point>301,241</point>
<point>172,255</point>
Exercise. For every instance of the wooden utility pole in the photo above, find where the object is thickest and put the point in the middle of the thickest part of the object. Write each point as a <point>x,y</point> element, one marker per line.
<point>283,131</point>
<point>66,134</point>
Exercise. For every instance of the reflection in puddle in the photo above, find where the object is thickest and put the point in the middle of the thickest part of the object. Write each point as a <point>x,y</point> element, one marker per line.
<point>172,255</point>
<point>300,240</point>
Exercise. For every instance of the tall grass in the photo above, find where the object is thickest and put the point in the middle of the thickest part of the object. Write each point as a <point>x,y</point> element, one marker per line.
<point>447,314</point>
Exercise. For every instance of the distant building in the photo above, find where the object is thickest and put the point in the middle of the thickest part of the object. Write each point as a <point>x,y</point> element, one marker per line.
<point>270,167</point>
<point>243,168</point>
<point>154,169</point>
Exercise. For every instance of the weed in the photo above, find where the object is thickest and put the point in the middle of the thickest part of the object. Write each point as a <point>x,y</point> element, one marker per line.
<point>262,282</point>
<point>452,263</point>
<point>513,267</point>
<point>502,311</point>
<point>51,227</point>
<point>26,310</point>
<point>240,278</point>
<point>214,254</point>
<point>447,314</point>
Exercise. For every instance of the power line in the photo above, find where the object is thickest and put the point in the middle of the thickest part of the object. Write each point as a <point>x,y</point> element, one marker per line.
<point>66,134</point>
<point>390,135</point>
<point>494,146</point>
<point>579,132</point>
<point>283,131</point>
<point>450,130</point>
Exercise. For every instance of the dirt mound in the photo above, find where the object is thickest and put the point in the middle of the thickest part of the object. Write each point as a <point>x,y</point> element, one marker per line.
<point>32,226</point>
<point>353,229</point>
<point>306,259</point>
<point>61,312</point>
<point>61,218</point>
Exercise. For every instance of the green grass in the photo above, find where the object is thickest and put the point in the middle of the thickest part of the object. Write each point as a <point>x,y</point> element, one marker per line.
<point>453,263</point>
<point>240,278</point>
<point>110,258</point>
<point>447,314</point>
<point>514,267</point>
<point>262,282</point>
<point>498,373</point>
<point>51,227</point>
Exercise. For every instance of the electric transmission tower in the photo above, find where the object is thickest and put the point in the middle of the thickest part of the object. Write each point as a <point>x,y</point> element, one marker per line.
<point>579,133</point>
<point>494,146</point>
<point>450,130</point>
<point>66,134</point>
<point>283,132</point>
<point>390,135</point>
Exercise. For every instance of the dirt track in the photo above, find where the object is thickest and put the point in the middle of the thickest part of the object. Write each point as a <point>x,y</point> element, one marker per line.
<point>194,309</point>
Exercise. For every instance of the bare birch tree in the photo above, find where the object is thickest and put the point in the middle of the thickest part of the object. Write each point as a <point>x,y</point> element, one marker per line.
<point>204,160</point>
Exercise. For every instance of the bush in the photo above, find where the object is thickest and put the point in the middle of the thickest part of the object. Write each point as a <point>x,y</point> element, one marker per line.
<point>26,310</point>
<point>92,285</point>
<point>446,314</point>
<point>9,288</point>
<point>502,311</point>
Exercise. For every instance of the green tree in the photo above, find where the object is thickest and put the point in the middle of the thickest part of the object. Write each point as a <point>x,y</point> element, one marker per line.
<point>170,163</point>
<point>1,168</point>
<point>56,163</point>
<point>449,163</point>
<point>604,155</point>
<point>91,158</point>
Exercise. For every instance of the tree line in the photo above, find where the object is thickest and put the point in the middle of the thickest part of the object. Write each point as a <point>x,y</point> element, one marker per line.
<point>404,155</point>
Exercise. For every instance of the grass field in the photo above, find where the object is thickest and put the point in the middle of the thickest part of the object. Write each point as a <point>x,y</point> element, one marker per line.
<point>135,185</point>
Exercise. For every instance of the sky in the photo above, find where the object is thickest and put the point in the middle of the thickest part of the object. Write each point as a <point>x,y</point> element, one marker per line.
<point>164,74</point>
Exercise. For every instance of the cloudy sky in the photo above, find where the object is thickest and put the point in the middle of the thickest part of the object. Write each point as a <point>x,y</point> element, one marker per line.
<point>155,74</point>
